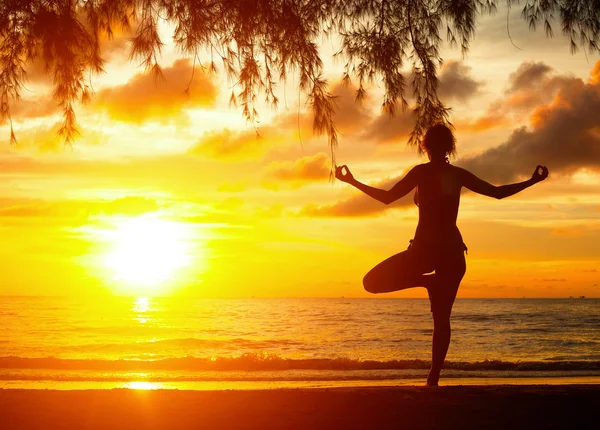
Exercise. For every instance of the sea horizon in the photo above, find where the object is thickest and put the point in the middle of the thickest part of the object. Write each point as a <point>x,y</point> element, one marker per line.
<point>200,297</point>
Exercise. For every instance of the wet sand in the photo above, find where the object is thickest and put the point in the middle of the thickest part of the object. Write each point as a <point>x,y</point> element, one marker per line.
<point>415,408</point>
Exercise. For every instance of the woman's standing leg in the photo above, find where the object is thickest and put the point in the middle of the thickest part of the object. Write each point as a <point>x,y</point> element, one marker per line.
<point>442,293</point>
<point>440,343</point>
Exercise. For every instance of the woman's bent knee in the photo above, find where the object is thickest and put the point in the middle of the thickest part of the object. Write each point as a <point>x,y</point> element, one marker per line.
<point>370,285</point>
<point>375,284</point>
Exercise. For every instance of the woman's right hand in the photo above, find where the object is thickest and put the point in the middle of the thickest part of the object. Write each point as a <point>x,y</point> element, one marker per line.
<point>540,173</point>
<point>339,174</point>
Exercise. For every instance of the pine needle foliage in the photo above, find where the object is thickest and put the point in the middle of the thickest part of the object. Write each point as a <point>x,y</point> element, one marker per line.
<point>259,43</point>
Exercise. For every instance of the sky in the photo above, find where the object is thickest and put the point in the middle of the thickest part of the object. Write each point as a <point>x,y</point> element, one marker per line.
<point>167,195</point>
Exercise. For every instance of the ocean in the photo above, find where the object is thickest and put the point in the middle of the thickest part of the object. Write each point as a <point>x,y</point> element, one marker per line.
<point>174,342</point>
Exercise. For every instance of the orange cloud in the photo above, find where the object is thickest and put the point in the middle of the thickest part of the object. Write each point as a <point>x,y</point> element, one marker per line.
<point>29,108</point>
<point>303,171</point>
<point>531,85</point>
<point>349,116</point>
<point>78,209</point>
<point>233,145</point>
<point>576,232</point>
<point>143,98</point>
<point>595,74</point>
<point>563,136</point>
<point>486,122</point>
<point>46,138</point>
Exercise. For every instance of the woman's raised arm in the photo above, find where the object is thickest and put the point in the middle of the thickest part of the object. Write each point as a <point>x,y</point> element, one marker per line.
<point>403,187</point>
<point>480,186</point>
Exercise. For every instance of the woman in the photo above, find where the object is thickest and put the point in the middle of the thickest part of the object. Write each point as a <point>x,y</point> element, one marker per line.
<point>437,245</point>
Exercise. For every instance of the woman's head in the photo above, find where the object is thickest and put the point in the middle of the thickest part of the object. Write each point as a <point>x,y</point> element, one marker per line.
<point>438,141</point>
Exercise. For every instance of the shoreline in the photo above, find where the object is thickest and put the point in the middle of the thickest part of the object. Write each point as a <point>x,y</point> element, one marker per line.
<point>415,408</point>
<point>143,383</point>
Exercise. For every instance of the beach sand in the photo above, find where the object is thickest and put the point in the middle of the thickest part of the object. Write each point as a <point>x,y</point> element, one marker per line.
<point>452,407</point>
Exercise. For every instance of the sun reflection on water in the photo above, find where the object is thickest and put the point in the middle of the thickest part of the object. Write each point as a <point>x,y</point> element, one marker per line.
<point>140,306</point>
<point>142,385</point>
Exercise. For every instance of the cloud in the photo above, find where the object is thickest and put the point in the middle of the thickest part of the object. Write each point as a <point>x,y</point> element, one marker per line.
<point>143,98</point>
<point>117,44</point>
<point>131,205</point>
<point>363,119</point>
<point>234,145</point>
<point>575,231</point>
<point>53,175</point>
<point>527,74</point>
<point>37,74</point>
<point>314,168</point>
<point>349,116</point>
<point>273,211</point>
<point>29,108</point>
<point>236,187</point>
<point>534,84</point>
<point>359,204</point>
<point>46,138</point>
<point>43,137</point>
<point>595,74</point>
<point>530,86</point>
<point>456,83</point>
<point>390,129</point>
<point>563,135</point>
<point>79,209</point>
<point>492,119</point>
<point>247,144</point>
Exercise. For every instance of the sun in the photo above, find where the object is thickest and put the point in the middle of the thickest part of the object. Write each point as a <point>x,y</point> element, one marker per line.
<point>147,252</point>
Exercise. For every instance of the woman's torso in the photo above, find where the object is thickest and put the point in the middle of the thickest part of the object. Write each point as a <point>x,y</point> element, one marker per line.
<point>438,198</point>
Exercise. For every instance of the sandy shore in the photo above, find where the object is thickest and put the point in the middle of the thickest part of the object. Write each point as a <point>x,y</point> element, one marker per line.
<point>455,407</point>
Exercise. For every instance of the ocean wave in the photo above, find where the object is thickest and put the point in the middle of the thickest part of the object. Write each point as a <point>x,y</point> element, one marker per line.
<point>272,362</point>
<point>179,343</point>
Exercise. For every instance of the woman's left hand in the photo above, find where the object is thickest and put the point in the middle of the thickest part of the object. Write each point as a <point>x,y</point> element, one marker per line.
<point>339,174</point>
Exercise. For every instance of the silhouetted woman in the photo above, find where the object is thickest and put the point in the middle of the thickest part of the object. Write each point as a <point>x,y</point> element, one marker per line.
<point>437,245</point>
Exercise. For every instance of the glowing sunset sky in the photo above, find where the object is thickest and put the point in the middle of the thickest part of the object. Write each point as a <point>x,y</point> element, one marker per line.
<point>167,195</point>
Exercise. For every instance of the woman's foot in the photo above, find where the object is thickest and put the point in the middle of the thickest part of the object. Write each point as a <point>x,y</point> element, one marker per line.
<point>433,379</point>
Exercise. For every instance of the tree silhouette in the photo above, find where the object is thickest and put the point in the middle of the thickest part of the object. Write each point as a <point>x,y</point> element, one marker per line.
<point>260,42</point>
